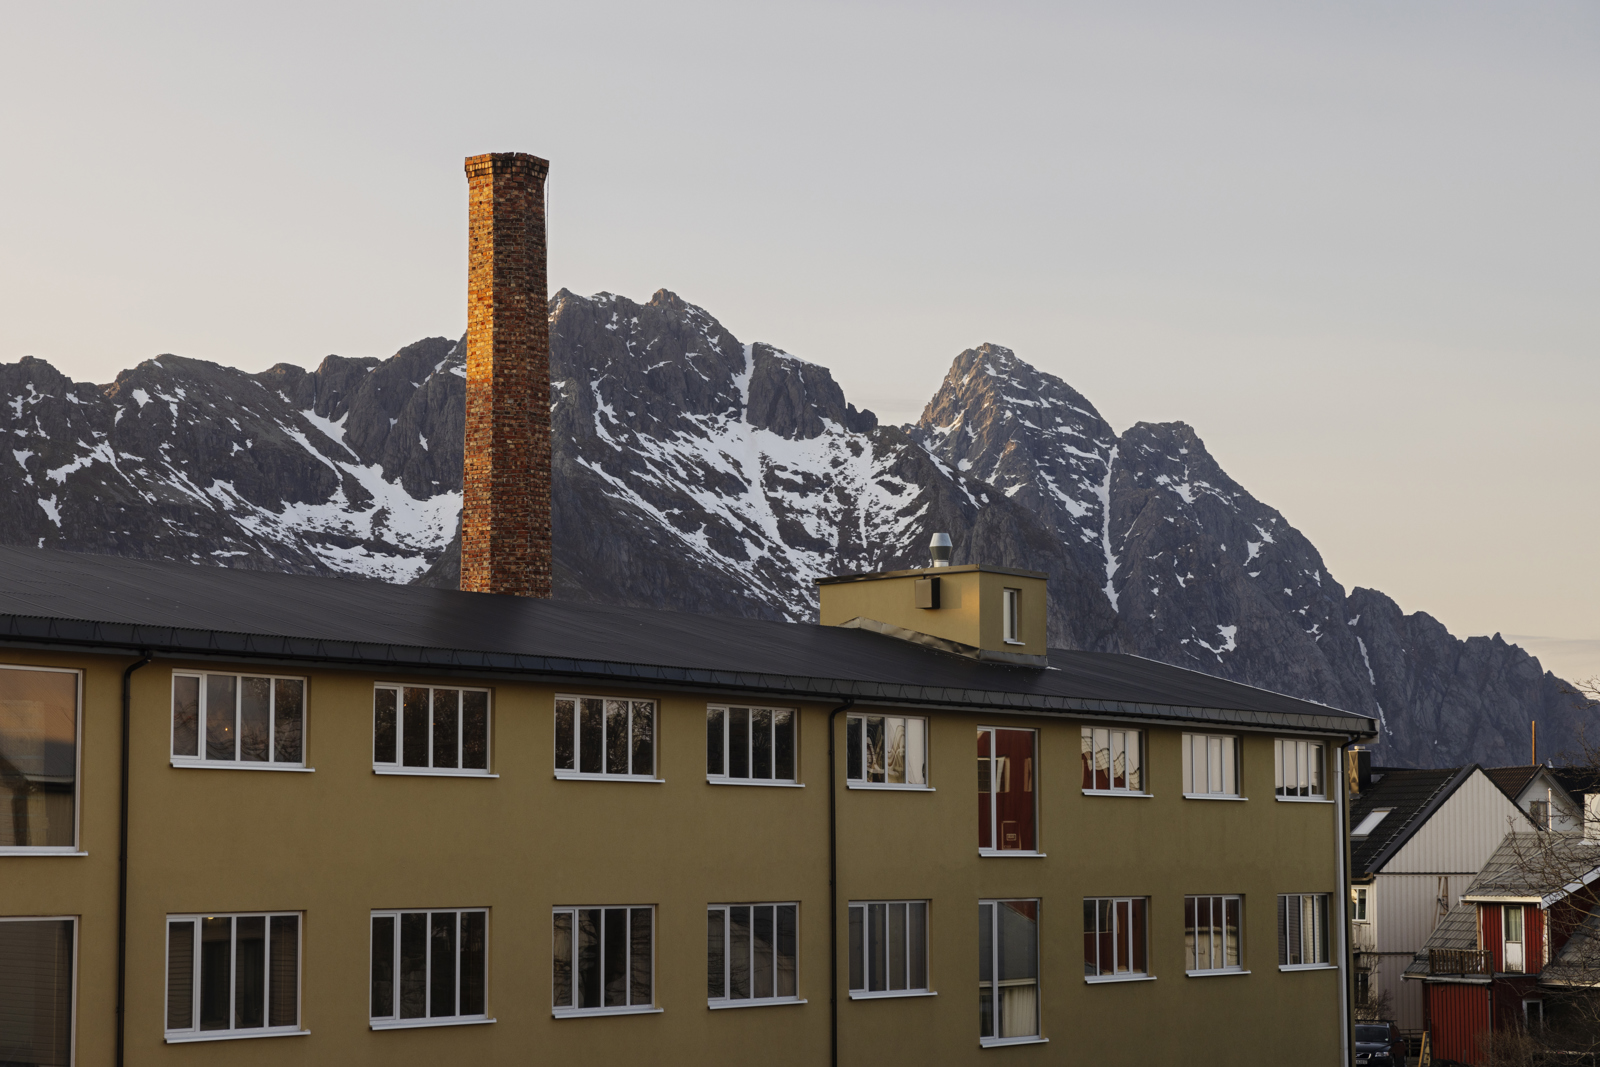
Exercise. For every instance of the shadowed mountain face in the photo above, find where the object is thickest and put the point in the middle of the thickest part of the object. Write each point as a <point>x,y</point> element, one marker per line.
<point>697,472</point>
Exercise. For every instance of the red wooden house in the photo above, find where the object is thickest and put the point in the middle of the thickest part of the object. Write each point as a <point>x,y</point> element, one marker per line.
<point>1510,943</point>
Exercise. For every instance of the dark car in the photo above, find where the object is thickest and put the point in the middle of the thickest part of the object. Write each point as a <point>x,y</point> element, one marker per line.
<point>1379,1045</point>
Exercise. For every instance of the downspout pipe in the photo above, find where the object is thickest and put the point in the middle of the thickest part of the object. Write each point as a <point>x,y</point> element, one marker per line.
<point>833,886</point>
<point>122,856</point>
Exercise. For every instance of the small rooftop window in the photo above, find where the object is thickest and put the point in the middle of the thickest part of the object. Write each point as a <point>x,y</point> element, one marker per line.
<point>1370,823</point>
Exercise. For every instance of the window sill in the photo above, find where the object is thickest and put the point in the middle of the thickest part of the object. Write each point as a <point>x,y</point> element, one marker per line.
<point>1213,796</point>
<point>891,786</point>
<point>713,780</point>
<point>1307,967</point>
<point>1117,793</point>
<point>1014,641</point>
<point>1001,1042</point>
<point>1303,800</point>
<point>577,776</point>
<point>431,772</point>
<point>721,1005</point>
<point>890,994</point>
<point>233,1035</point>
<point>584,1013</point>
<point>1010,853</point>
<point>42,850</point>
<point>414,1024</point>
<point>1106,979</point>
<point>1215,974</point>
<point>232,765</point>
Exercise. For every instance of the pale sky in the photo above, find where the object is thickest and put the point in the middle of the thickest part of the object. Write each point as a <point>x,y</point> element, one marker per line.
<point>1355,245</point>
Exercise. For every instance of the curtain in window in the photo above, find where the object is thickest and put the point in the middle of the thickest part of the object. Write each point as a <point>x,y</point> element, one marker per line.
<point>36,992</point>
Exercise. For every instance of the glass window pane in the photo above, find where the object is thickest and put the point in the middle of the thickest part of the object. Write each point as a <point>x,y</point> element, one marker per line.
<point>877,947</point>
<point>1277,768</point>
<point>221,709</point>
<point>761,743</point>
<point>1135,756</point>
<point>788,950</point>
<point>475,731</point>
<point>288,720</point>
<point>617,737</point>
<point>1188,763</point>
<point>739,953</point>
<point>185,715</point>
<point>283,973</point>
<point>36,993</point>
<point>382,967</point>
<point>414,739</point>
<point>1214,765</point>
<point>897,946</point>
<point>588,952</point>
<point>858,960</point>
<point>591,736</point>
<point>216,972</point>
<point>1087,746</point>
<point>738,742</point>
<point>1122,921</point>
<point>255,720</point>
<point>852,748</point>
<point>414,965</point>
<point>917,935</point>
<point>561,981</point>
<point>715,725</point>
<point>614,954</point>
<point>1315,760</point>
<point>783,745</point>
<point>1013,797</point>
<point>1302,777</point>
<point>383,726</point>
<point>916,752</point>
<point>1119,764</point>
<point>875,748</point>
<point>447,729</point>
<point>644,738</point>
<point>180,975</point>
<point>474,962</point>
<point>1102,758</point>
<point>986,970</point>
<point>442,976</point>
<point>985,791</point>
<point>38,739</point>
<point>566,712</point>
<point>249,972</point>
<point>1231,932</point>
<point>762,937</point>
<point>895,760</point>
<point>1139,934</point>
<point>1230,768</point>
<point>1191,934</point>
<point>716,953</point>
<point>641,963</point>
<point>1091,938</point>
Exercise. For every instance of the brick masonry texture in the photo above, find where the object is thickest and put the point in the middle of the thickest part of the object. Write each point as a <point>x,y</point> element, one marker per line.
<point>505,521</point>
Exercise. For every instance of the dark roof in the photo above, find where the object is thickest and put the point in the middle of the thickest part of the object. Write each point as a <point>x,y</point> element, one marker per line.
<point>53,597</point>
<point>1530,864</point>
<point>1413,796</point>
<point>1577,781</point>
<point>1511,780</point>
<point>1458,930</point>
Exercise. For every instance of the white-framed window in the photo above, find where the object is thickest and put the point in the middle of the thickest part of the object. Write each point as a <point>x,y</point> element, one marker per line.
<point>41,719</point>
<point>1212,933</point>
<point>1302,930</point>
<point>1359,896</point>
<point>1113,760</point>
<point>1008,809</point>
<point>1012,602</point>
<point>253,721</point>
<point>752,954</point>
<point>38,989</point>
<point>888,948</point>
<point>604,960</point>
<point>751,746</point>
<point>1533,1012</point>
<point>1370,822</point>
<point>1116,933</point>
<point>1298,771</point>
<point>1539,813</point>
<point>424,729</point>
<point>605,737</point>
<point>429,967</point>
<point>1008,971</point>
<point>1210,765</point>
<point>1514,957</point>
<point>885,750</point>
<point>233,975</point>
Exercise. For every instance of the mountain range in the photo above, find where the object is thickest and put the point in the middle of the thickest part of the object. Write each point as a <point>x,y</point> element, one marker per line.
<point>696,472</point>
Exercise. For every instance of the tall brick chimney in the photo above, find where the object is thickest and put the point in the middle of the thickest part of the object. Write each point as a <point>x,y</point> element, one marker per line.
<point>505,518</point>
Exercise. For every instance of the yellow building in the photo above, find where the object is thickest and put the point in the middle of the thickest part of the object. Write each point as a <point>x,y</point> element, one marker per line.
<point>372,824</point>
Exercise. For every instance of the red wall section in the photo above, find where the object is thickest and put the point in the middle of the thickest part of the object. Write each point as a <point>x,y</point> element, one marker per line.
<point>1459,1014</point>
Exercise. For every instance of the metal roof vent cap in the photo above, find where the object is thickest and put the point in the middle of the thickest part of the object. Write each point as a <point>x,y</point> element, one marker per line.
<point>939,549</point>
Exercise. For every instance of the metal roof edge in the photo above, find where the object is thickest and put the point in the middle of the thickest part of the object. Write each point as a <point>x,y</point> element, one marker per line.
<point>21,629</point>
<point>1417,821</point>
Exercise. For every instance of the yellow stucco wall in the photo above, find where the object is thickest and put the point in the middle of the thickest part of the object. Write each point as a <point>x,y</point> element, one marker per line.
<point>970,606</point>
<point>343,841</point>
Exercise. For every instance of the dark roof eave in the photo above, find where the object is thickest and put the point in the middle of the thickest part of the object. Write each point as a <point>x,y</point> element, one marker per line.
<point>177,640</point>
<point>1420,819</point>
